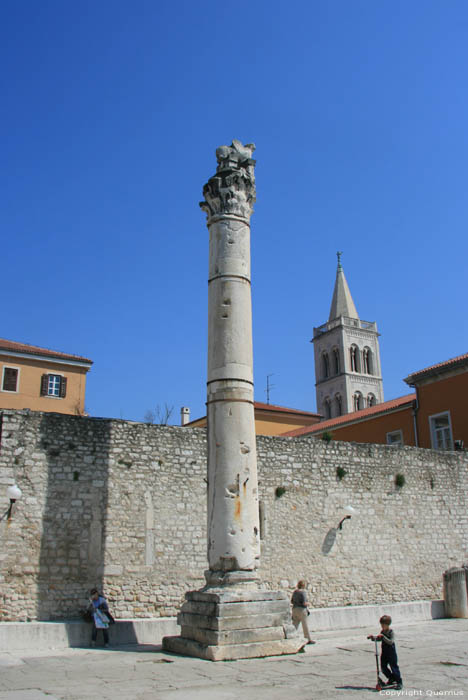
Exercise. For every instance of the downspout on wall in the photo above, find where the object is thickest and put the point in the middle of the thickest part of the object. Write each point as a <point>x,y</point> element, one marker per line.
<point>415,420</point>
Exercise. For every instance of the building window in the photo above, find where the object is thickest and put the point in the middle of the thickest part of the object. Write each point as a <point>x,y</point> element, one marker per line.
<point>10,379</point>
<point>339,405</point>
<point>367,361</point>
<point>441,431</point>
<point>354,358</point>
<point>54,385</point>
<point>395,437</point>
<point>371,400</point>
<point>326,365</point>
<point>358,401</point>
<point>336,360</point>
<point>327,406</point>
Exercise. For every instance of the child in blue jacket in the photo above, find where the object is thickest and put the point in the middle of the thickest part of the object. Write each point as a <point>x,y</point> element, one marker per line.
<point>101,616</point>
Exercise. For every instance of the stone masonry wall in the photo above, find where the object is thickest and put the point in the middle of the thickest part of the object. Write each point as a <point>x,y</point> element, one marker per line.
<point>122,506</point>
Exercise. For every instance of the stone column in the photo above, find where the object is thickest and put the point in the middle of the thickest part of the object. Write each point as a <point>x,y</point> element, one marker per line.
<point>232,617</point>
<point>455,592</point>
<point>233,525</point>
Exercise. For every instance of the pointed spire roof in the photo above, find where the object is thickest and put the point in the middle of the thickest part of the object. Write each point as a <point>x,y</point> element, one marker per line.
<point>342,302</point>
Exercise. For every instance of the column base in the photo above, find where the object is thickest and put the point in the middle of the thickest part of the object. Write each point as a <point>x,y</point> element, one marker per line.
<point>238,578</point>
<point>232,624</point>
<point>231,652</point>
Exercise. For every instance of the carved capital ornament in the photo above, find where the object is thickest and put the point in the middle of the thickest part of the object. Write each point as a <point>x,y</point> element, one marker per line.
<point>231,190</point>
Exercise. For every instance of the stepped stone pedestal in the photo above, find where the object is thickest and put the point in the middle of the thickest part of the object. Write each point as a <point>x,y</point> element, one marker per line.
<point>222,625</point>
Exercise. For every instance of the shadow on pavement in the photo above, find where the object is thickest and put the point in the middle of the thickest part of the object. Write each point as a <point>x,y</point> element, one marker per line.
<point>133,648</point>
<point>140,649</point>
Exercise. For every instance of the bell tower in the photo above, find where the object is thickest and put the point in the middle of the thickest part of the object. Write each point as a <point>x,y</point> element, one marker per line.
<point>348,374</point>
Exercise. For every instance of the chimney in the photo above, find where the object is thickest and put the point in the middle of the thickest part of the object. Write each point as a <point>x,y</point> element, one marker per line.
<point>184,415</point>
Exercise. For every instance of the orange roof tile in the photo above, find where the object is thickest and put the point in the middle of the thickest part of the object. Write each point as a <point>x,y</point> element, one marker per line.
<point>435,369</point>
<point>271,407</point>
<point>384,407</point>
<point>13,346</point>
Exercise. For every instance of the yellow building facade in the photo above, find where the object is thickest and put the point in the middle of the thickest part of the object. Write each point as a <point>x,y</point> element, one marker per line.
<point>41,379</point>
<point>272,420</point>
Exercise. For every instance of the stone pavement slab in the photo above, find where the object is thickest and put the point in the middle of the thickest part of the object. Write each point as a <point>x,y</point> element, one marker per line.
<point>433,658</point>
<point>26,695</point>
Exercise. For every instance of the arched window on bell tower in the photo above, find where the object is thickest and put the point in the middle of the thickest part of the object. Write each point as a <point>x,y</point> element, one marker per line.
<point>371,400</point>
<point>367,361</point>
<point>354,358</point>
<point>358,401</point>
<point>327,407</point>
<point>339,404</point>
<point>336,360</point>
<point>325,365</point>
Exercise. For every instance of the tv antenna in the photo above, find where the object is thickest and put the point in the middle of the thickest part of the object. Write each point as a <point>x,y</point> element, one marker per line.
<point>269,387</point>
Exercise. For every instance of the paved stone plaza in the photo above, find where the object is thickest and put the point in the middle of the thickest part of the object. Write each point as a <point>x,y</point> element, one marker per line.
<point>433,659</point>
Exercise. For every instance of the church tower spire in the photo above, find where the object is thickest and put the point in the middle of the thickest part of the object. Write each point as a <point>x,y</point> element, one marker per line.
<point>347,356</point>
<point>342,302</point>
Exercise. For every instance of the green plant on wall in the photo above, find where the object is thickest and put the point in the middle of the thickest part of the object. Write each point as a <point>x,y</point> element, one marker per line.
<point>341,473</point>
<point>280,491</point>
<point>327,436</point>
<point>400,480</point>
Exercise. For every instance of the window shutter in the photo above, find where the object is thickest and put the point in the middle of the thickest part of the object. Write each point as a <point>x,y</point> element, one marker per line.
<point>10,379</point>
<point>63,387</point>
<point>44,384</point>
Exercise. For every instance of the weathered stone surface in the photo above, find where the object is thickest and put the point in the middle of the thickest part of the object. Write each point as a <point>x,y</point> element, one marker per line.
<point>190,647</point>
<point>45,570</point>
<point>455,592</point>
<point>233,520</point>
<point>228,595</point>
<point>233,510</point>
<point>113,570</point>
<point>232,189</point>
<point>231,623</point>
<point>236,609</point>
<point>241,636</point>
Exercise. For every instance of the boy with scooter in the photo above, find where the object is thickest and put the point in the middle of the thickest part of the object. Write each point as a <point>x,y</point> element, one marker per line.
<point>388,658</point>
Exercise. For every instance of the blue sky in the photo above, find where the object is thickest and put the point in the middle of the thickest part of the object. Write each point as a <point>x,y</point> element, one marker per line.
<point>112,111</point>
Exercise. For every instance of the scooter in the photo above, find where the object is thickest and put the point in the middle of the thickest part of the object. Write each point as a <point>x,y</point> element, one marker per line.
<point>381,684</point>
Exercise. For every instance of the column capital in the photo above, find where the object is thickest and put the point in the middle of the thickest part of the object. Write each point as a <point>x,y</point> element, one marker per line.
<point>232,189</point>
